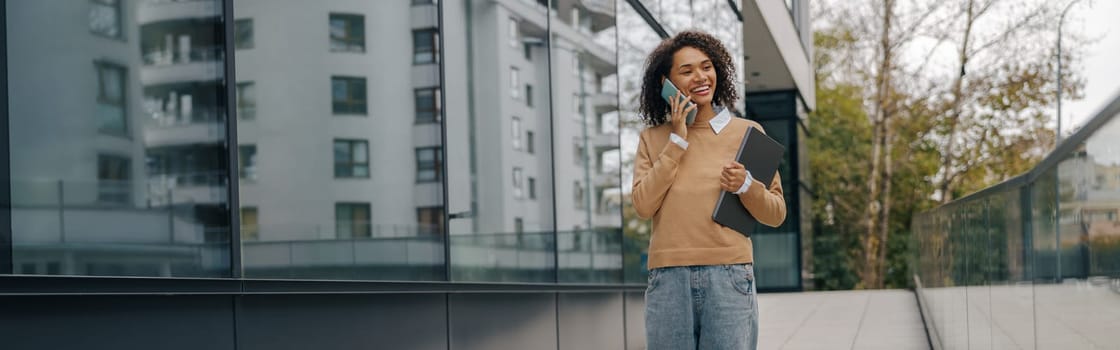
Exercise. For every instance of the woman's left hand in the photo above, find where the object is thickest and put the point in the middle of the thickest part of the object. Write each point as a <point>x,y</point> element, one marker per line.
<point>733,176</point>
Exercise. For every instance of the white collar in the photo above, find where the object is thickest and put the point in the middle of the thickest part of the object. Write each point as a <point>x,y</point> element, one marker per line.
<point>720,120</point>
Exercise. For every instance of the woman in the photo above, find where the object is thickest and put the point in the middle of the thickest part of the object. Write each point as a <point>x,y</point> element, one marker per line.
<point>701,292</point>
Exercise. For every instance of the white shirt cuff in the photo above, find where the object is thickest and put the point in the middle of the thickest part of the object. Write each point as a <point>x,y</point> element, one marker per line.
<point>746,184</point>
<point>677,139</point>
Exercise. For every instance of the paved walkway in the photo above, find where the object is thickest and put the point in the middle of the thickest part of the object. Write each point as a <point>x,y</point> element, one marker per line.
<point>876,319</point>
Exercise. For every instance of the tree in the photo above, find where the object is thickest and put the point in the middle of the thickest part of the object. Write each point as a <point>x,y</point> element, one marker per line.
<point>954,97</point>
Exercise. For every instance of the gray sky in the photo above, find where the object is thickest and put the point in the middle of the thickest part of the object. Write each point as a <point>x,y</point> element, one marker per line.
<point>1097,20</point>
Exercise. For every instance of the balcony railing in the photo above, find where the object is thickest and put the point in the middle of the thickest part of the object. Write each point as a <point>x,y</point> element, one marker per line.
<point>1039,250</point>
<point>177,56</point>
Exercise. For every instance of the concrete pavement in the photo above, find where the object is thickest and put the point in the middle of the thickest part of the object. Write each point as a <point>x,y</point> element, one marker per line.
<point>864,319</point>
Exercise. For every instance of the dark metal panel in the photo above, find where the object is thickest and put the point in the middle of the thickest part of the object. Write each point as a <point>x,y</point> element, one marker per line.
<point>116,322</point>
<point>635,320</point>
<point>400,321</point>
<point>591,321</point>
<point>358,287</point>
<point>85,285</point>
<point>5,160</point>
<point>62,285</point>
<point>503,322</point>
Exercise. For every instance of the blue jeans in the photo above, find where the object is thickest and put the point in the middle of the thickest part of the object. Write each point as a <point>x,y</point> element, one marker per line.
<point>702,307</point>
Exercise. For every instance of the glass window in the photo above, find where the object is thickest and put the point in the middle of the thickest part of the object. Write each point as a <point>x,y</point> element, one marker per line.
<point>425,46</point>
<point>532,188</point>
<point>111,101</point>
<point>119,164</point>
<point>348,95</point>
<point>351,158</point>
<point>514,33</point>
<point>391,172</point>
<point>517,188</point>
<point>243,33</point>
<point>486,144</point>
<point>348,33</point>
<point>105,18</point>
<point>514,82</point>
<point>427,105</point>
<point>515,132</point>
<point>429,164</point>
<point>352,220</point>
<point>246,101</point>
<point>250,229</point>
<point>114,179</point>
<point>247,162</point>
<point>577,109</point>
<point>529,95</point>
<point>578,153</point>
<point>577,195</point>
<point>429,220</point>
<point>529,142</point>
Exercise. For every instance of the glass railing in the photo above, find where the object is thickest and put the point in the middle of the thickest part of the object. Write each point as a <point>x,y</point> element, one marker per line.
<point>1033,262</point>
<point>178,56</point>
<point>585,256</point>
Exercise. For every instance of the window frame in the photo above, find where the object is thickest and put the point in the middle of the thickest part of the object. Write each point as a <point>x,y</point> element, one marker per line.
<point>255,233</point>
<point>529,141</point>
<point>351,163</point>
<point>349,42</point>
<point>514,33</point>
<point>515,82</point>
<point>353,105</point>
<point>246,102</point>
<point>435,109</point>
<point>349,208</point>
<point>108,195</point>
<point>518,176</point>
<point>435,165</point>
<point>239,29</point>
<point>118,8</point>
<point>103,98</point>
<point>432,47</point>
<point>247,171</point>
<point>515,132</point>
<point>437,213</point>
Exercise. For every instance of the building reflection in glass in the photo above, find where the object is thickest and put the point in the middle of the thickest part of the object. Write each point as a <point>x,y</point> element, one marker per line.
<point>117,136</point>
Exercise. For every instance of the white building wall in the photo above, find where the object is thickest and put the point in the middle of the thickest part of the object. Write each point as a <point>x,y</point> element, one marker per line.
<point>291,65</point>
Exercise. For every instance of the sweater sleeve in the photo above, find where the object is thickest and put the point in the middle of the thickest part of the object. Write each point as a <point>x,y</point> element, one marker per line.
<point>653,177</point>
<point>768,206</point>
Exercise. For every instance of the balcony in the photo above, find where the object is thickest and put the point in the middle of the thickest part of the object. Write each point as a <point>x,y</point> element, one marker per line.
<point>604,102</point>
<point>184,133</point>
<point>602,13</point>
<point>150,11</point>
<point>605,142</point>
<point>183,65</point>
<point>208,187</point>
<point>607,179</point>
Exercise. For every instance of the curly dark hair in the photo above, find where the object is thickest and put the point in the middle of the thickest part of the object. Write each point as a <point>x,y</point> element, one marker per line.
<point>654,110</point>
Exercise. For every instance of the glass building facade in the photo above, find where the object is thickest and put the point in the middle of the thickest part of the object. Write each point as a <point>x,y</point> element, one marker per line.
<point>422,148</point>
<point>1032,263</point>
<point>456,141</point>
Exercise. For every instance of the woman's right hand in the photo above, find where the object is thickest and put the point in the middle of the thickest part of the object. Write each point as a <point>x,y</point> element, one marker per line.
<point>679,108</point>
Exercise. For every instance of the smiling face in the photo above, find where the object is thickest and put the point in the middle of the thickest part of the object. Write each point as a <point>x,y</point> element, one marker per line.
<point>694,74</point>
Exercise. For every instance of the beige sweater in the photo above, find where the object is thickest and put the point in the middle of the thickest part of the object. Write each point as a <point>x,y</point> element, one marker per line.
<point>679,188</point>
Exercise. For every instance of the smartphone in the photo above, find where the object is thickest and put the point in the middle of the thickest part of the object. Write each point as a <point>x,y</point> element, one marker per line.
<point>668,90</point>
